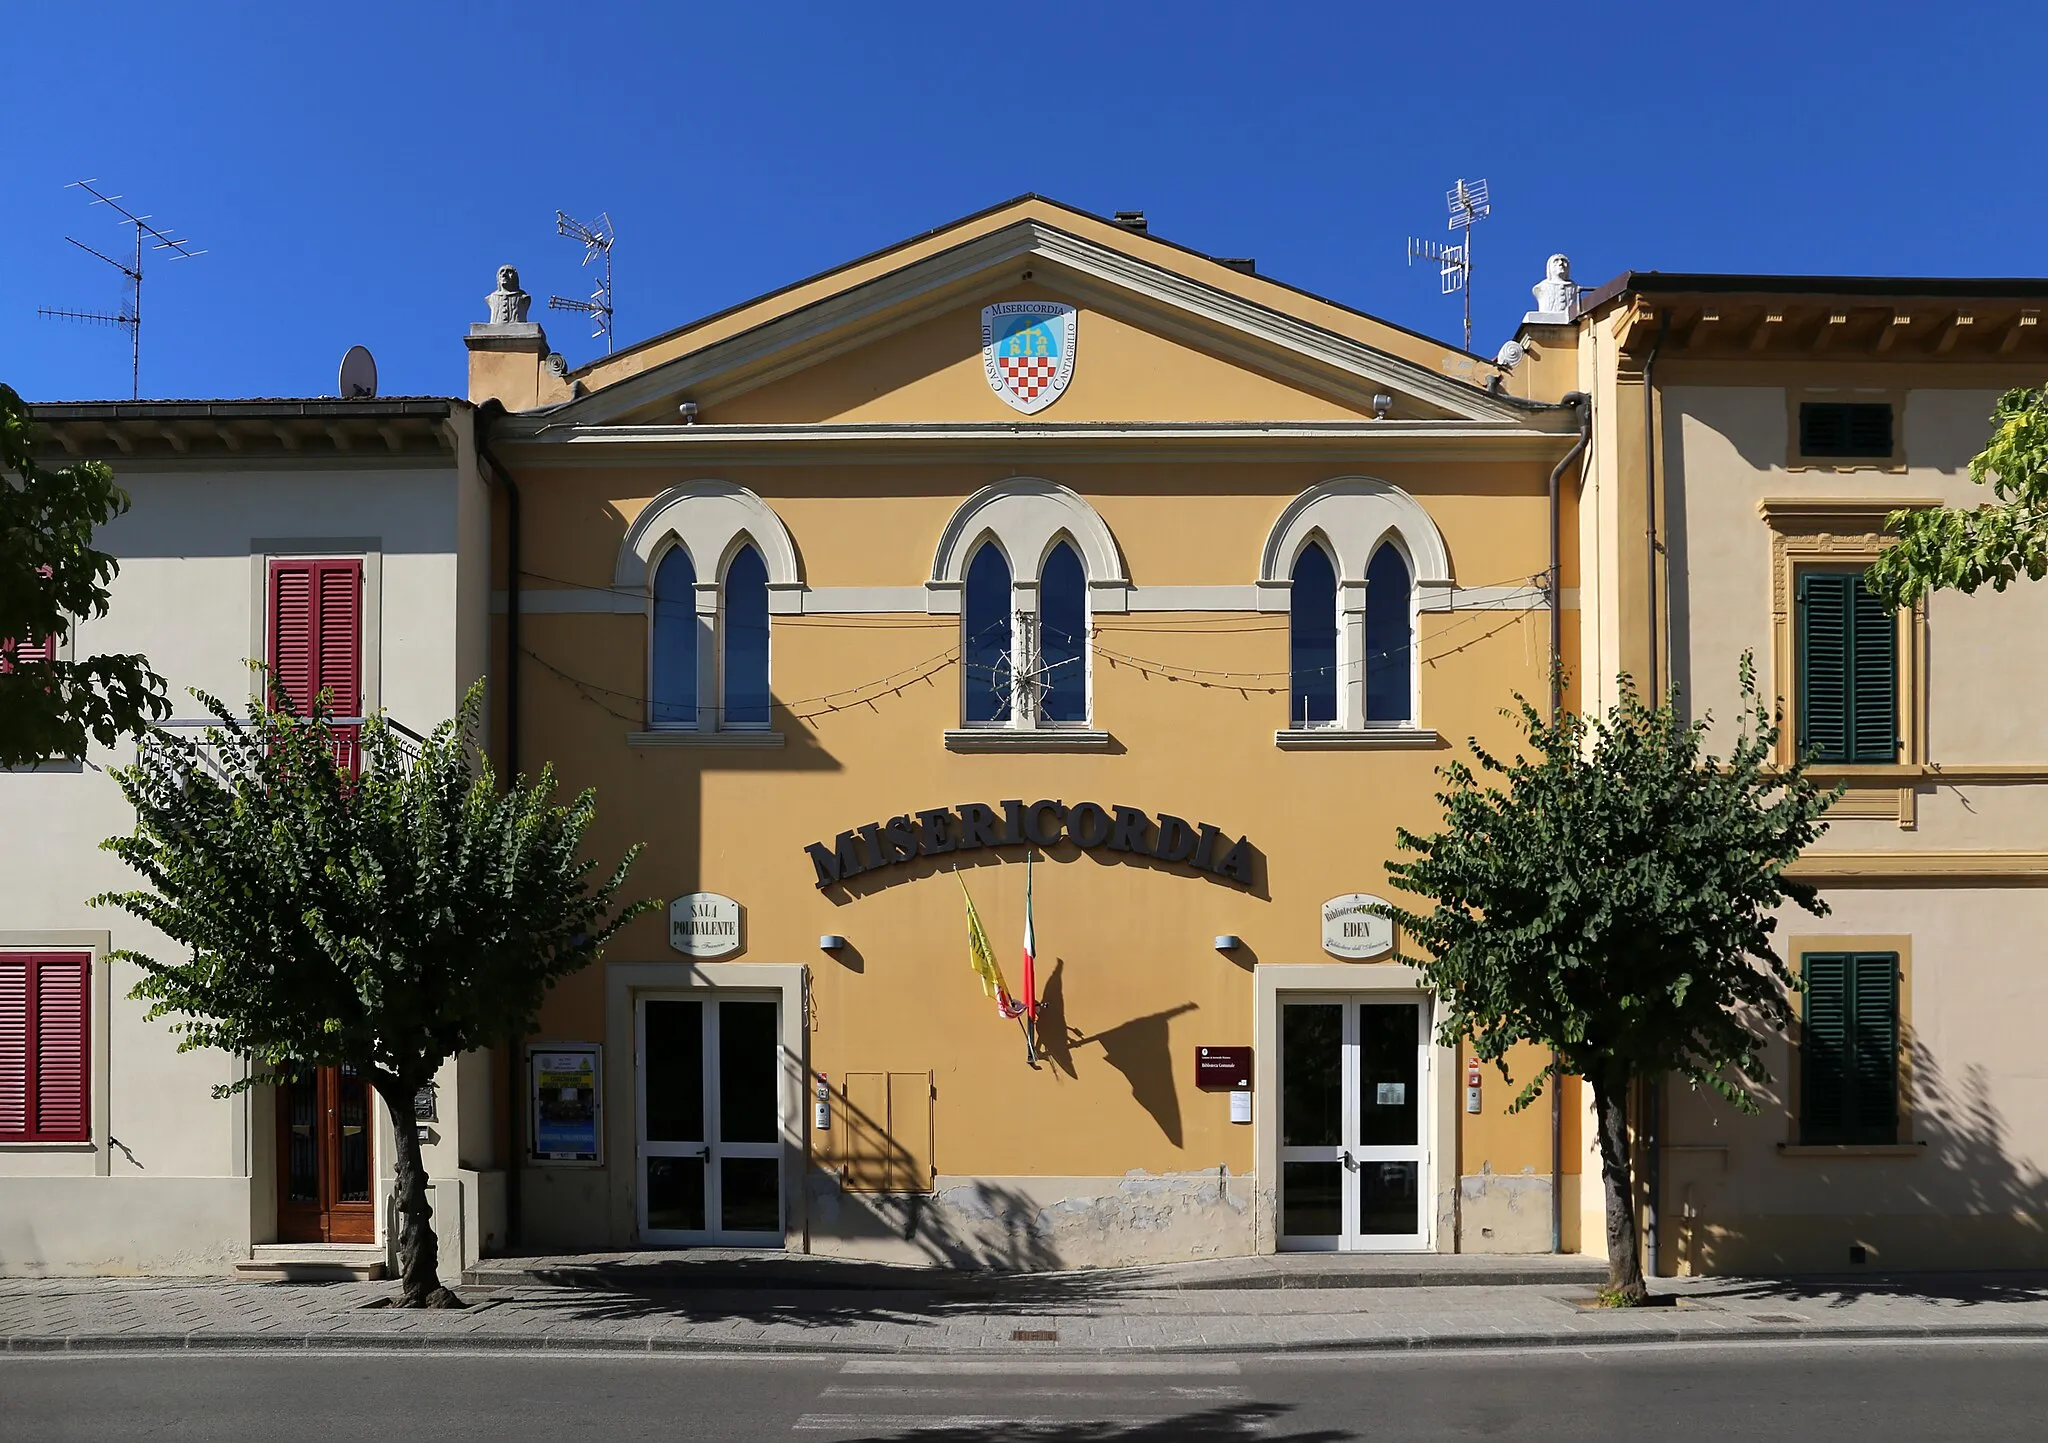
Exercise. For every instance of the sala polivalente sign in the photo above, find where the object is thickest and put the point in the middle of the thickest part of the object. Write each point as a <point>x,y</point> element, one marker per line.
<point>1088,825</point>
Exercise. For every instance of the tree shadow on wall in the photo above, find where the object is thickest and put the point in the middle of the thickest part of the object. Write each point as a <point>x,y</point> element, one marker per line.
<point>1966,1170</point>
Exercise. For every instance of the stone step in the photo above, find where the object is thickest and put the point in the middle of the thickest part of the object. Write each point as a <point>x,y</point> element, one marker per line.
<point>313,1263</point>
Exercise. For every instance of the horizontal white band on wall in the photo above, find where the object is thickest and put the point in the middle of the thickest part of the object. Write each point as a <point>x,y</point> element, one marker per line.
<point>913,600</point>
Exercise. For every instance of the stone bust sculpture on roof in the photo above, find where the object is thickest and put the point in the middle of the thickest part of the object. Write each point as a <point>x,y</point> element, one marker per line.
<point>1555,294</point>
<point>508,303</point>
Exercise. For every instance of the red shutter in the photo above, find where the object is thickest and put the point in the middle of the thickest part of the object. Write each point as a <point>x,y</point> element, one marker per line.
<point>63,1012</point>
<point>316,637</point>
<point>14,653</point>
<point>14,1048</point>
<point>45,1046</point>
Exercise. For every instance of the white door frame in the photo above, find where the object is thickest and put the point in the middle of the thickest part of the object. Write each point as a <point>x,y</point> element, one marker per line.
<point>1363,981</point>
<point>625,984</point>
<point>712,1148</point>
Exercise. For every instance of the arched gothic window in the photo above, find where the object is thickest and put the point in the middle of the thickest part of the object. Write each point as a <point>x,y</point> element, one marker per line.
<point>673,670</point>
<point>1063,638</point>
<point>1312,640</point>
<point>1389,640</point>
<point>987,644</point>
<point>744,629</point>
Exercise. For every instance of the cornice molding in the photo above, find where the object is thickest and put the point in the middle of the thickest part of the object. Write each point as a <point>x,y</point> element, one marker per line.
<point>1842,515</point>
<point>1851,869</point>
<point>1177,442</point>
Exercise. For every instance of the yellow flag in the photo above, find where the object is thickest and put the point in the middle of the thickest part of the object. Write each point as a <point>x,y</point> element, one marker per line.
<point>982,958</point>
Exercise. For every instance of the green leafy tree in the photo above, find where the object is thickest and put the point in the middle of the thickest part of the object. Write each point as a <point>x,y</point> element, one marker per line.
<point>387,918</point>
<point>50,576</point>
<point>1608,896</point>
<point>1963,548</point>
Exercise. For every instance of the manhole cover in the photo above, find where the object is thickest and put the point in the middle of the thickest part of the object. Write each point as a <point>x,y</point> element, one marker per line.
<point>1035,1335</point>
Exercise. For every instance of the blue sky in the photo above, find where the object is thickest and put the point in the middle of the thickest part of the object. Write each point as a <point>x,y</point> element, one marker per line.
<point>356,172</point>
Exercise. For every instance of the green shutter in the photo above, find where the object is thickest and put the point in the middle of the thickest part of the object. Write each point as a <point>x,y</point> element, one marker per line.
<point>1874,1062</point>
<point>1849,1048</point>
<point>1873,677</point>
<point>1824,665</point>
<point>1848,670</point>
<point>1824,1049</point>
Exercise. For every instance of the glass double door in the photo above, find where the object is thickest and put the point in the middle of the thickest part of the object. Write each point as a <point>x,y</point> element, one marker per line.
<point>1354,1170</point>
<point>710,1121</point>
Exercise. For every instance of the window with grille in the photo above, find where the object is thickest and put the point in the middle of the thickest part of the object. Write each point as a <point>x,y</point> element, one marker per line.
<point>1849,1048</point>
<point>1845,430</point>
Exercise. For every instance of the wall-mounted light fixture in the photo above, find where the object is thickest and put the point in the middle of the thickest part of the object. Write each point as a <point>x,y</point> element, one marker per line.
<point>688,411</point>
<point>831,942</point>
<point>1227,943</point>
<point>1382,404</point>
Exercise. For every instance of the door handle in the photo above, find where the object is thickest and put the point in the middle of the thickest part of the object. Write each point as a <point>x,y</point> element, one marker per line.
<point>1350,1161</point>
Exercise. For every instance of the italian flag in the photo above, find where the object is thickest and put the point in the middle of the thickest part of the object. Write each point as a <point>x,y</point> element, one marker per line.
<point>1030,949</point>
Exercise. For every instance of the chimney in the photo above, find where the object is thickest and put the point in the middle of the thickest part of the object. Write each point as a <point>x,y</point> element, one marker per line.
<point>1131,220</point>
<point>1239,263</point>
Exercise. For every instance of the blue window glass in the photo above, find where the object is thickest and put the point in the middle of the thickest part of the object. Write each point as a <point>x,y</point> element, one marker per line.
<point>1389,641</point>
<point>986,652</point>
<point>1312,641</point>
<point>745,618</point>
<point>673,702</point>
<point>1063,637</point>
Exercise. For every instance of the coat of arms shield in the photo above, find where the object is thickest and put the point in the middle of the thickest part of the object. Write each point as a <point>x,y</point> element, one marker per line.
<point>1027,349</point>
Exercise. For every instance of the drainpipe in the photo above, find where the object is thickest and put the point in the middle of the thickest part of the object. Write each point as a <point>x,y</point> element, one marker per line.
<point>515,1084</point>
<point>1653,1159</point>
<point>1650,692</point>
<point>1582,404</point>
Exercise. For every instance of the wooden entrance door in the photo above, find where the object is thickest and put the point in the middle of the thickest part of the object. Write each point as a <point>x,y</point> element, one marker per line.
<point>324,1175</point>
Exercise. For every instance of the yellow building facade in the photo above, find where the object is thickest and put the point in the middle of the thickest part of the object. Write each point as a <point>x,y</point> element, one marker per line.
<point>1037,546</point>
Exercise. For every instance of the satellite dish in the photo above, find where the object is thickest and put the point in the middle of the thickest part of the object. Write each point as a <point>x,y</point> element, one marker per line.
<point>358,374</point>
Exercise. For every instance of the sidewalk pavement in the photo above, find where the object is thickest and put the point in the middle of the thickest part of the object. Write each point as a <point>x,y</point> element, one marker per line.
<point>1185,1310</point>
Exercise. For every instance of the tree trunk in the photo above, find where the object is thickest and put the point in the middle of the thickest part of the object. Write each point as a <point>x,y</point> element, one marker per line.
<point>1625,1285</point>
<point>419,1254</point>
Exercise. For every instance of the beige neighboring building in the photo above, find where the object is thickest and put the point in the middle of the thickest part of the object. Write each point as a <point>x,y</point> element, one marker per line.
<point>1751,434</point>
<point>346,542</point>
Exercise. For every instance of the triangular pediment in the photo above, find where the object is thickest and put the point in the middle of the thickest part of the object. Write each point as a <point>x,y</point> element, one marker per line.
<point>1161,335</point>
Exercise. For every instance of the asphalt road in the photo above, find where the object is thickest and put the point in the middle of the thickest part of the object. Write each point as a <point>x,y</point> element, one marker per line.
<point>1911,1393</point>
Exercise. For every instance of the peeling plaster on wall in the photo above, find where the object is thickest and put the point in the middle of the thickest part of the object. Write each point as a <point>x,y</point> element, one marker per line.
<point>1503,1214</point>
<point>1034,1224</point>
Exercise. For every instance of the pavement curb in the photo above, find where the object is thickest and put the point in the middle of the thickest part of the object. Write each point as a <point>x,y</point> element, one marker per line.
<point>328,1342</point>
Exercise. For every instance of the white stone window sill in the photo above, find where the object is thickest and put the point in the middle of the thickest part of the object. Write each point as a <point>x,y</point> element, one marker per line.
<point>743,741</point>
<point>1851,1149</point>
<point>1357,739</point>
<point>1026,739</point>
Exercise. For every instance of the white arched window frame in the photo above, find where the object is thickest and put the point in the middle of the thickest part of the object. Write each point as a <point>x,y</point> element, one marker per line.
<point>1352,517</point>
<point>713,522</point>
<point>1029,519</point>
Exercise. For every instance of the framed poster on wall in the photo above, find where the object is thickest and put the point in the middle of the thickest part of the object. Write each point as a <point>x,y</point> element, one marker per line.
<point>565,1111</point>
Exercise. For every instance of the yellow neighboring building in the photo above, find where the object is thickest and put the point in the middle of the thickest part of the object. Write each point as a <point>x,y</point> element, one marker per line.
<point>1751,434</point>
<point>1037,539</point>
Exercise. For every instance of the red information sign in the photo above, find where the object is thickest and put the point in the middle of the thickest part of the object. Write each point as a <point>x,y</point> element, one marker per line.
<point>1224,1067</point>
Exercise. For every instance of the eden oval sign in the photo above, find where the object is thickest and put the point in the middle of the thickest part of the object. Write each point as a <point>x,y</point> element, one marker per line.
<point>1352,926</point>
<point>704,924</point>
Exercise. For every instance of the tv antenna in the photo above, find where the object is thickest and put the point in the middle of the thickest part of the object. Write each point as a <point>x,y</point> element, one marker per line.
<point>129,317</point>
<point>1469,205</point>
<point>597,239</point>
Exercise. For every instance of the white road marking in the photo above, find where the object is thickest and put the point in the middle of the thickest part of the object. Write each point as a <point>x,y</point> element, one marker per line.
<point>1223,1392</point>
<point>1045,1367</point>
<point>977,1422</point>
